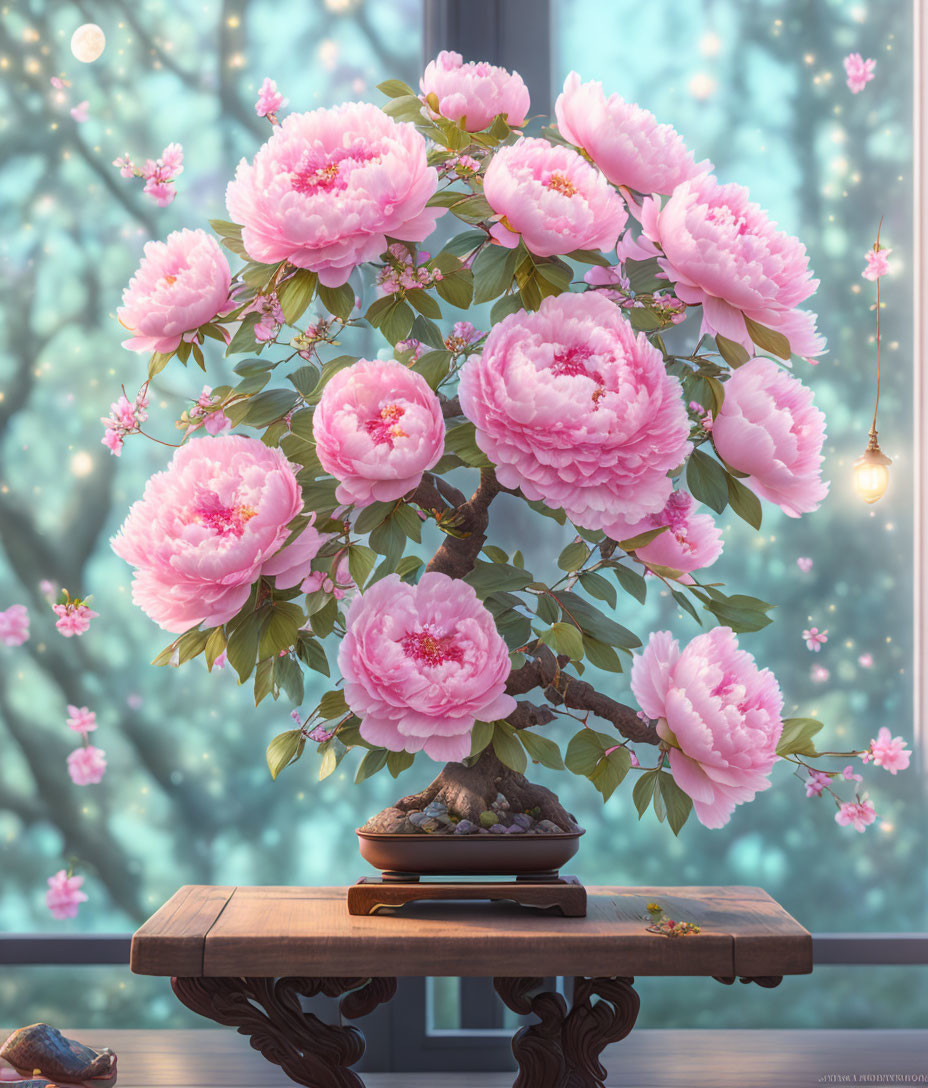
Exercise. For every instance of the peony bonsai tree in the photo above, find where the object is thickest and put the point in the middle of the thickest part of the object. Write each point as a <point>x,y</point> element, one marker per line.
<point>630,377</point>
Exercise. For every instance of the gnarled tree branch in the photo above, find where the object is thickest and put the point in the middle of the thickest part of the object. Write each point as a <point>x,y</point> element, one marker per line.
<point>457,555</point>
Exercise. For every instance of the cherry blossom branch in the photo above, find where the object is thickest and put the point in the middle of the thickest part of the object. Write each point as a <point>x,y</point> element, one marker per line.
<point>544,671</point>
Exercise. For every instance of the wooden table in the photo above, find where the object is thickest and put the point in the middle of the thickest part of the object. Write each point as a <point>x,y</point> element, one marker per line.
<point>244,956</point>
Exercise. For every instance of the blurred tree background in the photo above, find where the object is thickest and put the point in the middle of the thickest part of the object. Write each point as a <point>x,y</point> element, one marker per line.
<point>758,88</point>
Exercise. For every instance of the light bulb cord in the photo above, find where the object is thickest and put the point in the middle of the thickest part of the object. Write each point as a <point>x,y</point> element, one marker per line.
<point>876,405</point>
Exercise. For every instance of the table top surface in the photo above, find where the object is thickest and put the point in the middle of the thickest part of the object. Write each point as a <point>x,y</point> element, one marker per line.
<point>273,931</point>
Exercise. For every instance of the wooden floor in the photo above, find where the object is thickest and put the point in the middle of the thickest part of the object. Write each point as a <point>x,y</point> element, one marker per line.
<point>647,1059</point>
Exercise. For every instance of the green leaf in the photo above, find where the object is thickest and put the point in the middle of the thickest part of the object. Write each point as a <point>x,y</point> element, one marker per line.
<point>338,300</point>
<point>289,676</point>
<point>320,496</point>
<point>428,333</point>
<point>493,270</point>
<point>744,502</point>
<point>609,772</point>
<point>404,108</point>
<point>408,520</point>
<point>564,638</point>
<point>461,440</point>
<point>508,750</point>
<point>333,705</point>
<point>600,655</point>
<point>631,581</point>
<point>158,362</point>
<point>374,760</point>
<point>215,645</point>
<point>457,287</point>
<point>330,760</point>
<point>489,578</point>
<point>677,804</point>
<point>644,277</point>
<point>573,556</point>
<point>396,88</point>
<point>272,404</point>
<point>281,623</point>
<point>741,613</point>
<point>371,516</point>
<point>596,623</point>
<point>686,604</point>
<point>397,762</point>
<point>585,749</point>
<point>244,338</point>
<point>284,749</point>
<point>644,791</point>
<point>361,561</point>
<point>598,587</point>
<point>296,293</point>
<point>503,307</point>
<point>472,209</point>
<point>389,540</point>
<point>796,738</point>
<point>480,736</point>
<point>397,321</point>
<point>707,481</point>
<point>242,651</point>
<point>464,243</point>
<point>423,302</point>
<point>541,750</point>
<point>433,366</point>
<point>731,351</point>
<point>768,339</point>
<point>313,654</point>
<point>641,539</point>
<point>589,256</point>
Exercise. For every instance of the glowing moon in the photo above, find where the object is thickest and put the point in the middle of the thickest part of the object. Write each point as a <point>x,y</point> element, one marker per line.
<point>87,42</point>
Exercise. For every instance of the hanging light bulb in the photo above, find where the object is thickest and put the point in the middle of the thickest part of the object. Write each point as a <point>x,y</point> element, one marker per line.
<point>871,469</point>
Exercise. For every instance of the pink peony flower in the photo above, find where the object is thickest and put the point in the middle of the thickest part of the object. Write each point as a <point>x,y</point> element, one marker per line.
<point>722,251</point>
<point>81,720</point>
<point>859,71</point>
<point>473,94</point>
<point>208,526</point>
<point>577,411</point>
<point>877,264</point>
<point>860,814</point>
<point>814,639</point>
<point>769,427</point>
<point>14,625</point>
<point>378,427</point>
<point>804,563</point>
<point>422,663</point>
<point>64,895</point>
<point>888,752</point>
<point>816,783</point>
<point>87,765</point>
<point>181,284</point>
<point>692,541</point>
<point>270,100</point>
<point>718,711</point>
<point>73,618</point>
<point>329,186</point>
<point>551,197</point>
<point>624,140</point>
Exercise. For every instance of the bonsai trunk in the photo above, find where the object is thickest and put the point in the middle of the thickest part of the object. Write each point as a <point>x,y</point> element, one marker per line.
<point>467,792</point>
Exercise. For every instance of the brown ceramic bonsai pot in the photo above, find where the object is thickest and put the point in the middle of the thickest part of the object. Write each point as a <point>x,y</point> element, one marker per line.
<point>468,855</point>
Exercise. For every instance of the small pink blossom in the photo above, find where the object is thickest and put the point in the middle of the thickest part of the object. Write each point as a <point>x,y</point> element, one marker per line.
<point>691,541</point>
<point>860,814</point>
<point>888,752</point>
<point>329,186</point>
<point>320,735</point>
<point>816,783</point>
<point>48,588</point>
<point>463,336</point>
<point>161,192</point>
<point>87,765</point>
<point>73,618</point>
<point>815,639</point>
<point>81,720</point>
<point>405,271</point>
<point>804,563</point>
<point>849,776</point>
<point>58,83</point>
<point>64,895</point>
<point>464,166</point>
<point>159,174</point>
<point>181,284</point>
<point>768,427</point>
<point>704,415</point>
<point>720,714</point>
<point>125,166</point>
<point>422,663</point>
<point>125,418</point>
<point>378,427</point>
<point>613,281</point>
<point>208,526</point>
<point>552,198</point>
<point>413,345</point>
<point>859,71</point>
<point>270,100</point>
<point>877,263</point>
<point>577,411</point>
<point>818,674</point>
<point>865,661</point>
<point>473,94</point>
<point>633,759</point>
<point>14,625</point>
<point>320,579</point>
<point>81,112</point>
<point>624,140</point>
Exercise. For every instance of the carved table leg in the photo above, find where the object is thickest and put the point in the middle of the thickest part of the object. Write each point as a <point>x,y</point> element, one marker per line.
<point>562,1051</point>
<point>269,1011</point>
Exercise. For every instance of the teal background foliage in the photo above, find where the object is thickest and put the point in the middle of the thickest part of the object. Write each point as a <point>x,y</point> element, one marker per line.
<point>759,89</point>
